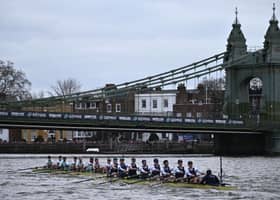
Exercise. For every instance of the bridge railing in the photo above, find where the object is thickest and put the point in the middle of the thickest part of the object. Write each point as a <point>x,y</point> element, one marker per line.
<point>127,118</point>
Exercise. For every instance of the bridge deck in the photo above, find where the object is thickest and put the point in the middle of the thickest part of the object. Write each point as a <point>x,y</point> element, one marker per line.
<point>70,121</point>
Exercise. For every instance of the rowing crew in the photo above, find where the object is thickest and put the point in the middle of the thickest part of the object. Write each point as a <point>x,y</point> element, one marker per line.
<point>121,169</point>
<point>76,165</point>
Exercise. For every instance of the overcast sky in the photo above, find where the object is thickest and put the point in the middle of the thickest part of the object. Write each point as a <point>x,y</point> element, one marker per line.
<point>114,41</point>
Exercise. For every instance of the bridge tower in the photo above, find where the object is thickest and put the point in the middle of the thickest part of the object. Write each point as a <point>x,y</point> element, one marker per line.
<point>252,81</point>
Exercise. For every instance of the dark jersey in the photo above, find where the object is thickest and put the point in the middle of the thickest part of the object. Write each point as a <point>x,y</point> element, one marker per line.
<point>210,180</point>
<point>132,170</point>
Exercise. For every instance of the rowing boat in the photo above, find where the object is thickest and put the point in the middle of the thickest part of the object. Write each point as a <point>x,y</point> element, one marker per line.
<point>148,182</point>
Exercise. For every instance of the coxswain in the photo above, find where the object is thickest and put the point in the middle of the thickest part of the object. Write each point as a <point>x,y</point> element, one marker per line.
<point>179,171</point>
<point>80,165</point>
<point>97,167</point>
<point>64,164</point>
<point>144,170</point>
<point>115,166</point>
<point>155,169</point>
<point>166,171</point>
<point>192,173</point>
<point>122,169</point>
<point>132,169</point>
<point>108,167</point>
<point>73,166</point>
<point>89,166</point>
<point>49,162</point>
<point>210,179</point>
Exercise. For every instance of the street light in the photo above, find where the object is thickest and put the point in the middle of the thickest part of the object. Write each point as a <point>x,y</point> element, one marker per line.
<point>206,90</point>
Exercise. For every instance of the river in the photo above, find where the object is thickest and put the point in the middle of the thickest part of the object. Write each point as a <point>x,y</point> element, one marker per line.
<point>255,178</point>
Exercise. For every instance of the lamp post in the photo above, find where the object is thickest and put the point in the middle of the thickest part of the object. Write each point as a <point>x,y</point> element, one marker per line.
<point>71,111</point>
<point>206,90</point>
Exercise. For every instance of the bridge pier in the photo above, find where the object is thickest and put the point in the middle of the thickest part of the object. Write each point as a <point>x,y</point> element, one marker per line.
<point>239,144</point>
<point>272,142</point>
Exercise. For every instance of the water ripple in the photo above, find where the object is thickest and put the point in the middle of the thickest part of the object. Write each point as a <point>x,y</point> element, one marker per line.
<point>256,178</point>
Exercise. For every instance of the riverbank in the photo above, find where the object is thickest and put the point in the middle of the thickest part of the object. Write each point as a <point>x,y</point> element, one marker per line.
<point>142,148</point>
<point>35,156</point>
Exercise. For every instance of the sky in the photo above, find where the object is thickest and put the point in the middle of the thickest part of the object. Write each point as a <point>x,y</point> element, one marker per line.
<point>115,41</point>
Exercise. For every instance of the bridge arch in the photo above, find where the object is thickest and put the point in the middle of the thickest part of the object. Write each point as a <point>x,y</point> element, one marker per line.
<point>252,94</point>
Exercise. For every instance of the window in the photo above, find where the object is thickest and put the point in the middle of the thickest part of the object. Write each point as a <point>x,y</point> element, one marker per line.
<point>154,103</point>
<point>198,114</point>
<point>88,134</point>
<point>118,107</point>
<point>78,105</point>
<point>93,105</point>
<point>143,103</point>
<point>87,105</point>
<point>165,103</point>
<point>109,108</point>
<point>188,114</point>
<point>178,114</point>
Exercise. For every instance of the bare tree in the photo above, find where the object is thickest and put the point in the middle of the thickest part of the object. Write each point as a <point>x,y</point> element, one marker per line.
<point>13,83</point>
<point>38,95</point>
<point>214,84</point>
<point>215,89</point>
<point>65,87</point>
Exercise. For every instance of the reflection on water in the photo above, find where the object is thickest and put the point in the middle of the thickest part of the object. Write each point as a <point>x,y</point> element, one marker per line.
<point>255,177</point>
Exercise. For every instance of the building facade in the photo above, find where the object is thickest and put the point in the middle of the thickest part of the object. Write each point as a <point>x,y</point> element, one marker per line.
<point>110,104</point>
<point>199,103</point>
<point>4,135</point>
<point>158,103</point>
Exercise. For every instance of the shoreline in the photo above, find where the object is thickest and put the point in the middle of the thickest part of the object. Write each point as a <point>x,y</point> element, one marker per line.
<point>24,156</point>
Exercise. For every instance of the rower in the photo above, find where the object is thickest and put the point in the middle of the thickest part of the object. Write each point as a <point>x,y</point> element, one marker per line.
<point>74,164</point>
<point>144,170</point>
<point>49,163</point>
<point>192,173</point>
<point>122,169</point>
<point>89,166</point>
<point>132,169</point>
<point>114,170</point>
<point>155,169</point>
<point>64,164</point>
<point>80,164</point>
<point>210,179</point>
<point>59,162</point>
<point>108,167</point>
<point>96,165</point>
<point>166,171</point>
<point>179,170</point>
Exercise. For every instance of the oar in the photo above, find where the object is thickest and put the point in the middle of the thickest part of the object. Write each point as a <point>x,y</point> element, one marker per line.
<point>143,179</point>
<point>165,180</point>
<point>117,179</point>
<point>25,169</point>
<point>110,181</point>
<point>170,178</point>
<point>89,179</point>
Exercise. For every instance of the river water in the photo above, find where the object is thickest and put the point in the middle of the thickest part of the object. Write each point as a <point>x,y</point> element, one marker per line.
<point>255,178</point>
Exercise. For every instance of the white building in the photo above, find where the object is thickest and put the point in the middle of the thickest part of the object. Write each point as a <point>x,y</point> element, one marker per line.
<point>159,103</point>
<point>4,135</point>
<point>155,103</point>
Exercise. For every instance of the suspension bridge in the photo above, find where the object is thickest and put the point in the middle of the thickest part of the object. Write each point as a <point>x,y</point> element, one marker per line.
<point>253,115</point>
